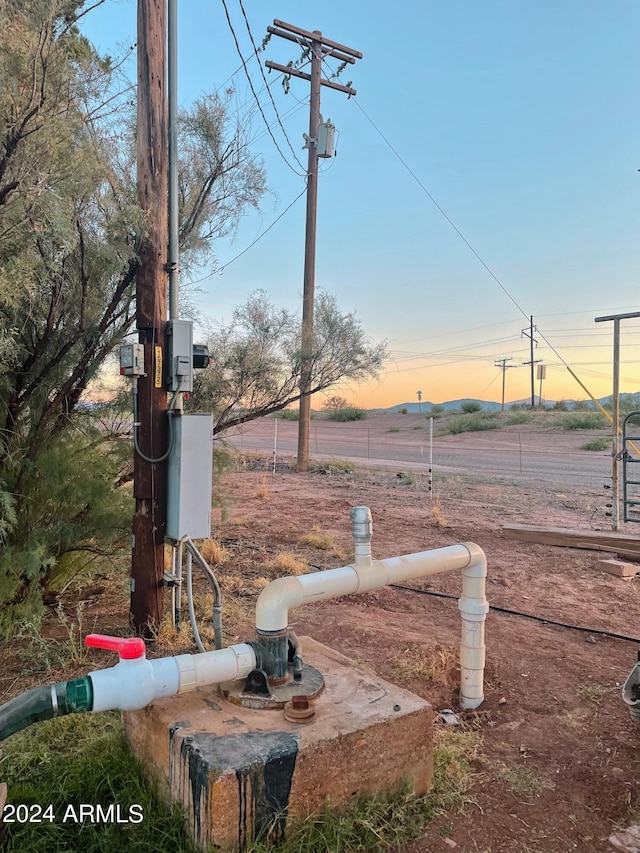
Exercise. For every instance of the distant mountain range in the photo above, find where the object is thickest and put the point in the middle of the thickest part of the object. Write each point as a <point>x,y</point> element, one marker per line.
<point>491,406</point>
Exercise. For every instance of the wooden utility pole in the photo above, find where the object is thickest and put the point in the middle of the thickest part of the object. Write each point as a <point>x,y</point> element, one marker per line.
<point>528,333</point>
<point>149,478</point>
<point>616,451</point>
<point>319,48</point>
<point>502,364</point>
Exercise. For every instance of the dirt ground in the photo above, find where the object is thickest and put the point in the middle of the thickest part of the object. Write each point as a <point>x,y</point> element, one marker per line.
<point>556,766</point>
<point>556,769</point>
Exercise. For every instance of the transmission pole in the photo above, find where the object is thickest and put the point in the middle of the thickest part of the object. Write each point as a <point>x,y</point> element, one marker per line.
<point>149,478</point>
<point>319,48</point>
<point>528,333</point>
<point>502,364</point>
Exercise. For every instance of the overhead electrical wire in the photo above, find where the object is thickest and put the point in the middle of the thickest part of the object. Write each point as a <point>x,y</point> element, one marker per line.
<point>222,267</point>
<point>251,86</point>
<point>275,108</point>
<point>459,233</point>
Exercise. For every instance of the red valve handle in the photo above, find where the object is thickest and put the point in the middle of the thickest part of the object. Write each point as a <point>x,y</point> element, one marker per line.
<point>129,648</point>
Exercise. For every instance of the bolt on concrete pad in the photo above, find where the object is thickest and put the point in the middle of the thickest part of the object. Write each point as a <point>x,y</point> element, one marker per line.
<point>240,773</point>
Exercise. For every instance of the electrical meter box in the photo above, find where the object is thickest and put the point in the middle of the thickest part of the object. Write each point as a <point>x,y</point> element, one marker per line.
<point>180,363</point>
<point>189,477</point>
<point>132,360</point>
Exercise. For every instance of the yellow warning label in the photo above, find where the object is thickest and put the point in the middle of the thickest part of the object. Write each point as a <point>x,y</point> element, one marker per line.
<point>158,376</point>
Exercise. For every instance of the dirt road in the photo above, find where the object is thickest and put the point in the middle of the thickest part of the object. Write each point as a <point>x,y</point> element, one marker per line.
<point>515,452</point>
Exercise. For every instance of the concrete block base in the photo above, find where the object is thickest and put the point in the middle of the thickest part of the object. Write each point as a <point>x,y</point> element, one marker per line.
<point>240,773</point>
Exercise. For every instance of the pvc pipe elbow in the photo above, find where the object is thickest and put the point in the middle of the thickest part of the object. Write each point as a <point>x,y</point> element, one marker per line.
<point>272,606</point>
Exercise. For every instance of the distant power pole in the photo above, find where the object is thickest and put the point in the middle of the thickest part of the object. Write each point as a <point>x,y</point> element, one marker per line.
<point>502,364</point>
<point>149,478</point>
<point>528,333</point>
<point>319,48</point>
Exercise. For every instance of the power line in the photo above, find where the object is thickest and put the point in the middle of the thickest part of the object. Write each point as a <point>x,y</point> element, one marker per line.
<point>248,76</point>
<point>251,245</point>
<point>275,108</point>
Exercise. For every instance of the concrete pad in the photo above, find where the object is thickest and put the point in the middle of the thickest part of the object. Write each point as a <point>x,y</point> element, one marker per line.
<point>240,773</point>
<point>619,568</point>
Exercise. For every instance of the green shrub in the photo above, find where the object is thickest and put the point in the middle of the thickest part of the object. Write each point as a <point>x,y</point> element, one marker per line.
<point>601,443</point>
<point>71,514</point>
<point>470,407</point>
<point>287,415</point>
<point>393,429</point>
<point>349,413</point>
<point>475,422</point>
<point>329,466</point>
<point>580,420</point>
<point>513,418</point>
<point>403,411</point>
<point>436,410</point>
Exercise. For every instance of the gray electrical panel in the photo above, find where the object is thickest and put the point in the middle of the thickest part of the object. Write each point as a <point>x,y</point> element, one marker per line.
<point>180,361</point>
<point>190,477</point>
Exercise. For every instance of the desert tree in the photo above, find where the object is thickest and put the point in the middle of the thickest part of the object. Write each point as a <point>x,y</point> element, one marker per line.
<point>70,230</point>
<point>256,359</point>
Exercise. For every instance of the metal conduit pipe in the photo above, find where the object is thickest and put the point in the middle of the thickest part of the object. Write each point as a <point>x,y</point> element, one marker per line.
<point>283,594</point>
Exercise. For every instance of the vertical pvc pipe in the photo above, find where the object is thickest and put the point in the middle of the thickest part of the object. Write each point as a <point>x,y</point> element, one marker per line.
<point>473,607</point>
<point>362,528</point>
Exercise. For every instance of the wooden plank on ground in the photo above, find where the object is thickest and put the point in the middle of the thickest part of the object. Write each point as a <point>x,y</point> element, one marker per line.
<point>593,540</point>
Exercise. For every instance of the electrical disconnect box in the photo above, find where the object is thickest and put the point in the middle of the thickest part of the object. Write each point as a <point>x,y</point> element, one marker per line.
<point>180,361</point>
<point>190,477</point>
<point>132,360</point>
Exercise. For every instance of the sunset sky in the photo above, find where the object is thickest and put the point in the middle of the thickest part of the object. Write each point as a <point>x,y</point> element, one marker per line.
<point>487,171</point>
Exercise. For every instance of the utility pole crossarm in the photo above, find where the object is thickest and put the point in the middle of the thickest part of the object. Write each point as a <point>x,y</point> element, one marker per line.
<point>316,36</point>
<point>327,51</point>
<point>288,69</point>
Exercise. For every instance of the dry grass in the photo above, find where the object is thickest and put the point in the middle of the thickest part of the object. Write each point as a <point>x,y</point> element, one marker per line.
<point>436,516</point>
<point>285,563</point>
<point>439,664</point>
<point>263,489</point>
<point>213,552</point>
<point>171,641</point>
<point>318,538</point>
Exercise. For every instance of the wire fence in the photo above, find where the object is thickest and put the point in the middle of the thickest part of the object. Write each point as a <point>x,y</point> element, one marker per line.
<point>550,457</point>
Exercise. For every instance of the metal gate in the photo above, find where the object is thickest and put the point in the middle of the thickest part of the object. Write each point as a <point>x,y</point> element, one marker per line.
<point>631,468</point>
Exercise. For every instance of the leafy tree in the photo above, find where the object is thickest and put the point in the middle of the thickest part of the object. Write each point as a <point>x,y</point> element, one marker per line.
<point>70,229</point>
<point>256,359</point>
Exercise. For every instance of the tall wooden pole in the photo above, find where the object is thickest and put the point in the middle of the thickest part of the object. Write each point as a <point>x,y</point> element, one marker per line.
<point>309,281</point>
<point>318,47</point>
<point>149,522</point>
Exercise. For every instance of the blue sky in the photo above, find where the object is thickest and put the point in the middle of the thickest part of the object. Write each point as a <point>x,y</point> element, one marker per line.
<point>519,119</point>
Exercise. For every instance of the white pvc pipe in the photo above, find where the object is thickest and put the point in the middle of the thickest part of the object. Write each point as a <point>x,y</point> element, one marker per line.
<point>362,528</point>
<point>133,684</point>
<point>283,594</point>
